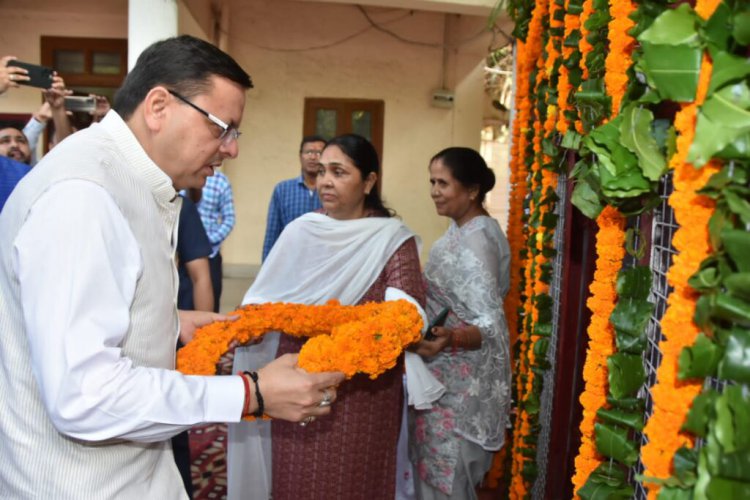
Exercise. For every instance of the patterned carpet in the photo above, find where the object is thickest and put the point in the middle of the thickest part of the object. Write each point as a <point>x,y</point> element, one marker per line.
<point>208,451</point>
<point>209,464</point>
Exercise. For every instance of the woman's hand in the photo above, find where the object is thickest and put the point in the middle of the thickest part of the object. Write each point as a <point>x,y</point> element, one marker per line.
<point>429,348</point>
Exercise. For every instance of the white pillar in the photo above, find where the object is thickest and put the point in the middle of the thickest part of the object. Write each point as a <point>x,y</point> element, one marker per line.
<point>148,22</point>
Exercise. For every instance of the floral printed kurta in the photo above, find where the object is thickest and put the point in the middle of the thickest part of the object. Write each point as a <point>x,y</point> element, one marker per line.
<point>468,272</point>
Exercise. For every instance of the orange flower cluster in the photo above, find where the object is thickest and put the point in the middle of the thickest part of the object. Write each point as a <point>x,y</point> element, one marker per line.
<point>564,88</point>
<point>610,250</point>
<point>352,339</point>
<point>583,45</point>
<point>518,173</point>
<point>621,46</point>
<point>553,54</point>
<point>585,48</point>
<point>673,398</point>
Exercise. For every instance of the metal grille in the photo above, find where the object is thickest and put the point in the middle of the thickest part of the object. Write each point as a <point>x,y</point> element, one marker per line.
<point>662,252</point>
<point>545,410</point>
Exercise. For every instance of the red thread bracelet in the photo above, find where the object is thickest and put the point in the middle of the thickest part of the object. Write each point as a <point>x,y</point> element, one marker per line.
<point>246,404</point>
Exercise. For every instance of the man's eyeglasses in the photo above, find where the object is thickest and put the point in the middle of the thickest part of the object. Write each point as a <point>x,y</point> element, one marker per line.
<point>228,134</point>
<point>311,152</point>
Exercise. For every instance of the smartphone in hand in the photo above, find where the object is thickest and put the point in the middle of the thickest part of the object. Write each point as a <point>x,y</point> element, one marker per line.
<point>438,320</point>
<point>80,103</point>
<point>39,76</point>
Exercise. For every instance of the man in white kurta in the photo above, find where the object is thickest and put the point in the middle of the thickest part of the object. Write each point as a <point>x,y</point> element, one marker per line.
<point>88,291</point>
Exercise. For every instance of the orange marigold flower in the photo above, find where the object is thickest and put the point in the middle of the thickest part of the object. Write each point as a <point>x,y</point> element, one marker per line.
<point>352,339</point>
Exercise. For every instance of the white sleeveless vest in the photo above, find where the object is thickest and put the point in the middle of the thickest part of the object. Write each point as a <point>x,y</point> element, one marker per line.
<point>36,461</point>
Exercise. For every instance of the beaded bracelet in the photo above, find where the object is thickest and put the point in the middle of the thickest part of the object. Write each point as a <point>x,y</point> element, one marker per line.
<point>261,407</point>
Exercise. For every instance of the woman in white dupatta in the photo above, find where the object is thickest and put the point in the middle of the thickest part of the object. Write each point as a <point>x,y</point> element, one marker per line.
<point>352,252</point>
<point>468,273</point>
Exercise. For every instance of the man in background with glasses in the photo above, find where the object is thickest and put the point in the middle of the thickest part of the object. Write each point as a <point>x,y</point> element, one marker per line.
<point>294,197</point>
<point>88,291</point>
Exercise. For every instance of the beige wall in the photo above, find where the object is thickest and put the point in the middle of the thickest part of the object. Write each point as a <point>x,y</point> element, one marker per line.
<point>272,40</point>
<point>23,23</point>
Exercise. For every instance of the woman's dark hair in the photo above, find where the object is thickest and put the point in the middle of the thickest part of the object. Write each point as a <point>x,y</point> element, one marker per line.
<point>365,158</point>
<point>184,64</point>
<point>469,168</point>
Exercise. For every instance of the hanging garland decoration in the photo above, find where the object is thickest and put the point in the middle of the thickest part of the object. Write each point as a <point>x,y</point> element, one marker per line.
<point>671,397</point>
<point>528,55</point>
<point>618,61</point>
<point>591,99</point>
<point>714,203</point>
<point>518,175</point>
<point>537,305</point>
<point>610,250</point>
<point>623,162</point>
<point>722,282</point>
<point>570,72</point>
<point>611,409</point>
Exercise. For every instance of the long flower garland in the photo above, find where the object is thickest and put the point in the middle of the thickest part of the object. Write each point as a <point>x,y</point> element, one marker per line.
<point>621,46</point>
<point>517,190</point>
<point>572,24</point>
<point>528,58</point>
<point>673,398</point>
<point>352,339</point>
<point>610,250</point>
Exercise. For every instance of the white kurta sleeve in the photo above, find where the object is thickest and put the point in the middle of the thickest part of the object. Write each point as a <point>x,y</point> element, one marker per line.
<point>78,264</point>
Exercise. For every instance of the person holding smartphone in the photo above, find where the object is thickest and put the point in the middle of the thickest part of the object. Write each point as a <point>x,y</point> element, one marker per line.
<point>467,277</point>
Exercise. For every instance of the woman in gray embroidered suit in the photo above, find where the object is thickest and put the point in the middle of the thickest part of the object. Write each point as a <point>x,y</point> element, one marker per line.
<point>452,444</point>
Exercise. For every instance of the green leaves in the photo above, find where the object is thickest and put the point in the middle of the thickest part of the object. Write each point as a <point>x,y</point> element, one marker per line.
<point>727,68</point>
<point>724,117</point>
<point>617,167</point>
<point>741,28</point>
<point>606,481</point>
<point>612,441</point>
<point>672,54</point>
<point>626,374</point>
<point>635,134</point>
<point>700,360</point>
<point>735,364</point>
<point>587,199</point>
<point>736,243</point>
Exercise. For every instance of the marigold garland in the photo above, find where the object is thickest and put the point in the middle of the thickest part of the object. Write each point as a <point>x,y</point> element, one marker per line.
<point>585,48</point>
<point>583,45</point>
<point>518,189</point>
<point>366,338</point>
<point>672,398</point>
<point>618,60</point>
<point>572,22</point>
<point>610,250</point>
<point>527,57</point>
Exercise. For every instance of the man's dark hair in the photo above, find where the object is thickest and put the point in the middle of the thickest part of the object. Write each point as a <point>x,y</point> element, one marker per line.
<point>312,138</point>
<point>12,124</point>
<point>184,64</point>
